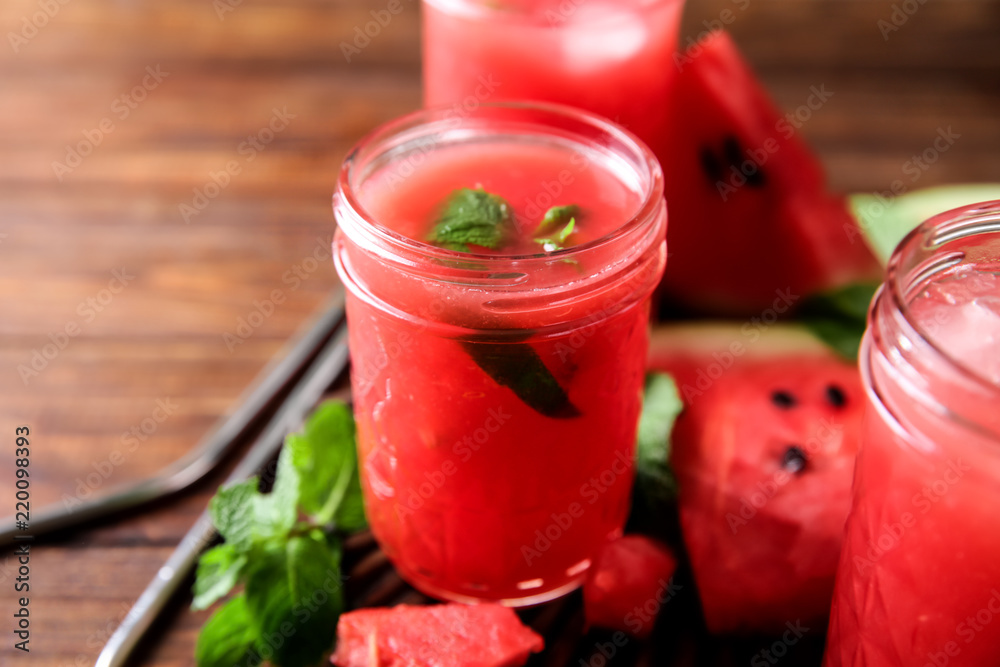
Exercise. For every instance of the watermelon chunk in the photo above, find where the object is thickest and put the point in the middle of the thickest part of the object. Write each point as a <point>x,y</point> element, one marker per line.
<point>749,213</point>
<point>445,635</point>
<point>628,585</point>
<point>764,456</point>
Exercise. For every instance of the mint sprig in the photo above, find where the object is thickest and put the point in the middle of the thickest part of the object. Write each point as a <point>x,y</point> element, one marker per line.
<point>473,218</point>
<point>329,486</point>
<point>480,218</point>
<point>655,486</point>
<point>558,241</point>
<point>284,548</point>
<point>661,405</point>
<point>556,216</point>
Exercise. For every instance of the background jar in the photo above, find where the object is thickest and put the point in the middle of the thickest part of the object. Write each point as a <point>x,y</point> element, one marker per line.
<point>615,58</point>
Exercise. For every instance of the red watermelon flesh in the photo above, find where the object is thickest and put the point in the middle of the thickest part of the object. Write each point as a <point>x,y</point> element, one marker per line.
<point>444,635</point>
<point>749,213</point>
<point>628,585</point>
<point>764,457</point>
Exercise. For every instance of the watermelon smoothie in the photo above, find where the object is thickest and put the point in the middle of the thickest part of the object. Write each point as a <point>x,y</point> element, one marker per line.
<point>497,390</point>
<point>919,576</point>
<point>612,57</point>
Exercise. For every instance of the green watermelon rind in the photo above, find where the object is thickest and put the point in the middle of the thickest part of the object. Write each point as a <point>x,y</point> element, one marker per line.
<point>884,221</point>
<point>758,341</point>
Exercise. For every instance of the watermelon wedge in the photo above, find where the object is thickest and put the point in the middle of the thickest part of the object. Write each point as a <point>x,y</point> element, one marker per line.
<point>749,212</point>
<point>764,455</point>
<point>629,584</point>
<point>444,635</point>
<point>884,220</point>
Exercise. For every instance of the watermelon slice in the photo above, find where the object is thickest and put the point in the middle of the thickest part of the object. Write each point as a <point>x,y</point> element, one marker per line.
<point>749,213</point>
<point>628,585</point>
<point>764,455</point>
<point>445,635</point>
<point>885,220</point>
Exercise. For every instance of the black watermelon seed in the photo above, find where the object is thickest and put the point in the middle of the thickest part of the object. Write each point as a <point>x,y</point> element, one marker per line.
<point>794,460</point>
<point>783,399</point>
<point>756,179</point>
<point>710,165</point>
<point>836,396</point>
<point>737,158</point>
<point>733,151</point>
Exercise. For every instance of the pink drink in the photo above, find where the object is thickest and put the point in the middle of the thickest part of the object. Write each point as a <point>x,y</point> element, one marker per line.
<point>611,57</point>
<point>919,577</point>
<point>477,490</point>
<point>524,175</point>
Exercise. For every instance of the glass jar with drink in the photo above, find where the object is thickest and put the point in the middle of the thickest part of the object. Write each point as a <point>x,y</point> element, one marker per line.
<point>919,576</point>
<point>499,267</point>
<point>613,57</point>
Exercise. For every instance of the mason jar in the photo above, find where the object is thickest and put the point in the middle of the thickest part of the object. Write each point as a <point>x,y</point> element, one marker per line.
<point>919,576</point>
<point>497,392</point>
<point>616,58</point>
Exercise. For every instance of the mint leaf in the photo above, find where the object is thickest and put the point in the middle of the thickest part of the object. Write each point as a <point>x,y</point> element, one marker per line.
<point>839,317</point>
<point>660,407</point>
<point>655,487</point>
<point>519,368</point>
<point>850,302</point>
<point>567,230</point>
<point>294,598</point>
<point>227,638</point>
<point>243,515</point>
<point>473,217</point>
<point>325,457</point>
<point>232,512</point>
<point>219,569</point>
<point>276,512</point>
<point>557,243</point>
<point>350,513</point>
<point>555,216</point>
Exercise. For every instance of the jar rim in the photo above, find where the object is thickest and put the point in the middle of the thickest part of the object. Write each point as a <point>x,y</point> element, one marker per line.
<point>439,118</point>
<point>929,236</point>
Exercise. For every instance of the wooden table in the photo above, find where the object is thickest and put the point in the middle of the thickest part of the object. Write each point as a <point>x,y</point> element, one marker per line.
<point>122,261</point>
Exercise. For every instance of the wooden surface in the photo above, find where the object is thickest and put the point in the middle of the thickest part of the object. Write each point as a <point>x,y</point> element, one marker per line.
<point>161,336</point>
